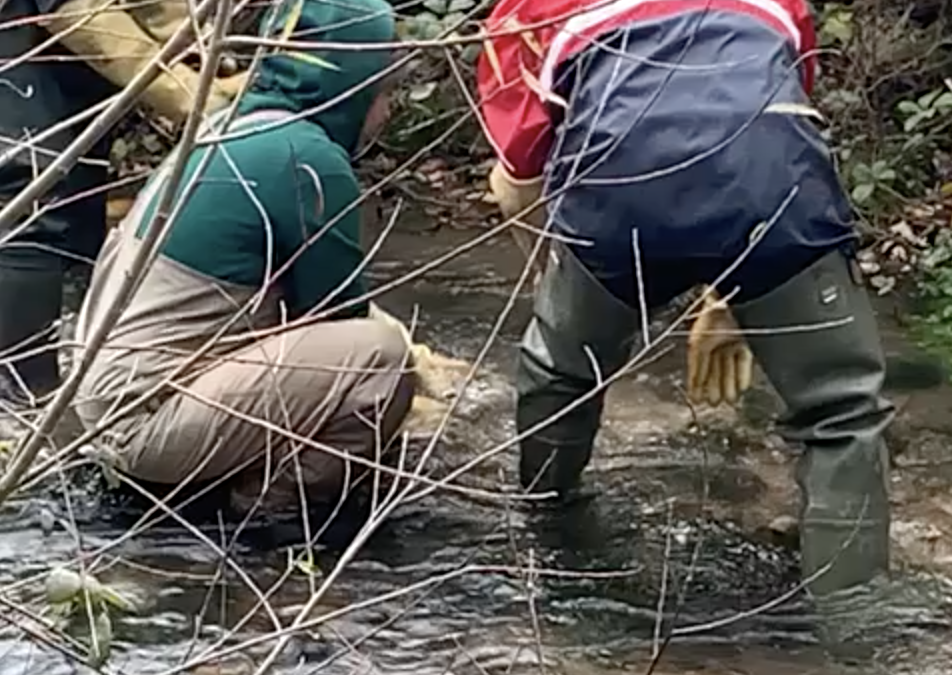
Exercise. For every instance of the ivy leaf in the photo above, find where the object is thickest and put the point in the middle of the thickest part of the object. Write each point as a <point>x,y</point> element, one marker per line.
<point>862,192</point>
<point>908,107</point>
<point>436,6</point>
<point>928,100</point>
<point>421,92</point>
<point>944,101</point>
<point>839,27</point>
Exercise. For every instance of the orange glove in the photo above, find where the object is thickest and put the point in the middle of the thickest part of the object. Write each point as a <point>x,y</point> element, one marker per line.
<point>118,48</point>
<point>719,361</point>
<point>436,373</point>
<point>512,196</point>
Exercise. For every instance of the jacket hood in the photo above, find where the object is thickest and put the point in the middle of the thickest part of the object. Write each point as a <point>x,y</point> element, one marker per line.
<point>298,81</point>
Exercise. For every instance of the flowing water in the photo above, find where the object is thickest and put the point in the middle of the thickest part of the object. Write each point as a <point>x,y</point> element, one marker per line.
<point>689,510</point>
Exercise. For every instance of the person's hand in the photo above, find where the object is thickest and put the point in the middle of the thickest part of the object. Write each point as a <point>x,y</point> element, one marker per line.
<point>437,374</point>
<point>719,361</point>
<point>229,87</point>
<point>223,92</point>
<point>171,95</point>
<point>513,196</point>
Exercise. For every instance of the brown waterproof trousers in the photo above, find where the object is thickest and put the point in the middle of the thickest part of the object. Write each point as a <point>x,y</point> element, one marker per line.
<point>342,390</point>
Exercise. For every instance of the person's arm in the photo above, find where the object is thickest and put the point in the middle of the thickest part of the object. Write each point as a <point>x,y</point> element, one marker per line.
<point>116,47</point>
<point>514,115</point>
<point>803,20</point>
<point>312,222</point>
<point>160,19</point>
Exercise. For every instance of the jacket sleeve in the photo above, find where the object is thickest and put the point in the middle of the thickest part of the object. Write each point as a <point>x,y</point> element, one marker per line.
<point>517,114</point>
<point>317,232</point>
<point>802,17</point>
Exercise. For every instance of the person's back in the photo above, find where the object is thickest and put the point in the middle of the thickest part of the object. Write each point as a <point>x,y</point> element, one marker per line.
<point>221,257</point>
<point>667,127</point>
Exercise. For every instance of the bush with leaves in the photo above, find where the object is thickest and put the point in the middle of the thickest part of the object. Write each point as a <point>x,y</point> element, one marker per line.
<point>881,85</point>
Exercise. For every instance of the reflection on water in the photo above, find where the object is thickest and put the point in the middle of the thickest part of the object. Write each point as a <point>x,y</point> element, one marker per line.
<point>521,590</point>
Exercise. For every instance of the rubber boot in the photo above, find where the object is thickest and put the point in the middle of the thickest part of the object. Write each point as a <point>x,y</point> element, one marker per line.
<point>575,320</point>
<point>31,297</point>
<point>830,380</point>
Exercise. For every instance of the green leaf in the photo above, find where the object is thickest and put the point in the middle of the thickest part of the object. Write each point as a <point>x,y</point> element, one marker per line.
<point>152,143</point>
<point>453,19</point>
<point>115,599</point>
<point>100,640</point>
<point>461,5</point>
<point>912,122</point>
<point>120,150</point>
<point>439,7</point>
<point>838,26</point>
<point>908,107</point>
<point>913,142</point>
<point>421,92</point>
<point>862,173</point>
<point>944,101</point>
<point>862,192</point>
<point>471,53</point>
<point>62,585</point>
<point>925,102</point>
<point>308,565</point>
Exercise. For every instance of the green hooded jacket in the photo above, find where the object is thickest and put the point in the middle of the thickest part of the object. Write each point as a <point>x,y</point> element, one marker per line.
<point>299,173</point>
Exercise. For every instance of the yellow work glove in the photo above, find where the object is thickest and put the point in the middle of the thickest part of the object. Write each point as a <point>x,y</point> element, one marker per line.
<point>436,373</point>
<point>118,48</point>
<point>719,362</point>
<point>513,195</point>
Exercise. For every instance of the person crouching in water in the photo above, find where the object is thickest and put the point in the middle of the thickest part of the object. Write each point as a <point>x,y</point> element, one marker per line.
<point>679,133</point>
<point>277,193</point>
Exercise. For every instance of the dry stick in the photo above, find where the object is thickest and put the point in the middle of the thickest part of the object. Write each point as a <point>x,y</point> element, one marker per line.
<point>429,582</point>
<point>663,591</point>
<point>30,446</point>
<point>435,43</point>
